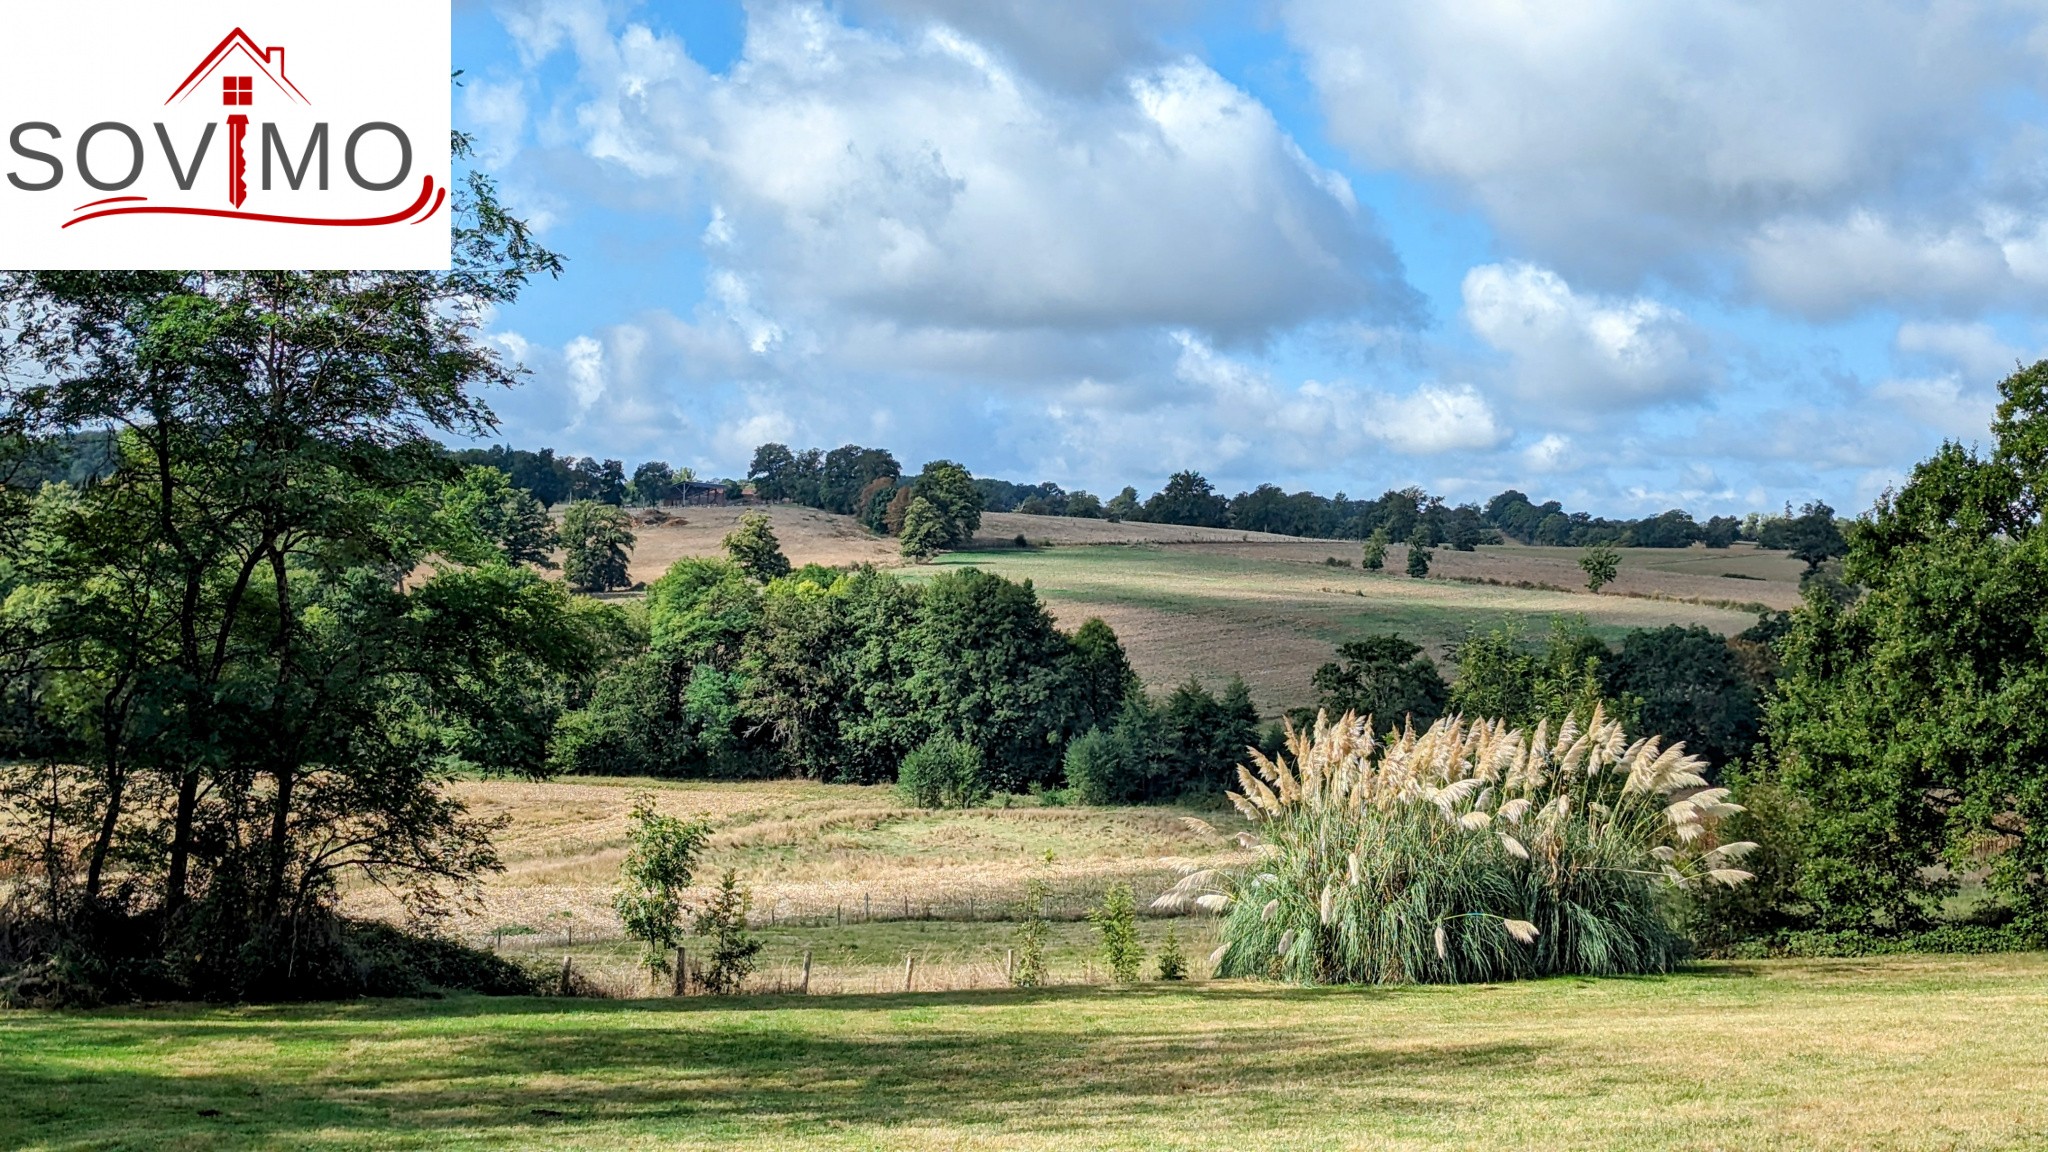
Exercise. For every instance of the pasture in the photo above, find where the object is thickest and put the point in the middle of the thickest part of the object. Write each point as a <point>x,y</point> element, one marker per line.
<point>1212,603</point>
<point>1901,1053</point>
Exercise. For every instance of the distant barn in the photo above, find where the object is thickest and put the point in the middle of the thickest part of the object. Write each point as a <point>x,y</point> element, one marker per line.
<point>697,493</point>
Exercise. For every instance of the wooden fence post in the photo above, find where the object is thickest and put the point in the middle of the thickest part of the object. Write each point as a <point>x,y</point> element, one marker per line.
<point>1010,967</point>
<point>564,989</point>
<point>909,969</point>
<point>807,972</point>
<point>682,972</point>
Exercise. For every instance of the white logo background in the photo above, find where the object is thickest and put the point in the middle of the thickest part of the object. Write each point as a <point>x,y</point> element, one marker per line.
<point>356,62</point>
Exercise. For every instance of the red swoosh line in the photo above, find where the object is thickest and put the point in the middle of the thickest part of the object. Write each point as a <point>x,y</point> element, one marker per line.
<point>426,195</point>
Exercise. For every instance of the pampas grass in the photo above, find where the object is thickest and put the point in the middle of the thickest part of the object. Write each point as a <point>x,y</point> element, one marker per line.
<point>1471,852</point>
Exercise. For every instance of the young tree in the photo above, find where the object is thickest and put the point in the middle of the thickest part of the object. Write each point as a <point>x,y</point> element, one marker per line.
<point>1419,554</point>
<point>1173,963</point>
<point>1601,563</point>
<point>1116,920</point>
<point>598,542</point>
<point>1376,549</point>
<point>734,952</point>
<point>1032,932</point>
<point>942,772</point>
<point>924,531</point>
<point>661,856</point>
<point>951,491</point>
<point>755,549</point>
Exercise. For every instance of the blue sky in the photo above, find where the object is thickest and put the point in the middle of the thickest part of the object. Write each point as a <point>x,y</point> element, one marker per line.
<point>1630,256</point>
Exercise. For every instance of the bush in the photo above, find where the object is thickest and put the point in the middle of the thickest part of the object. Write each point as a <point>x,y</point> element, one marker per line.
<point>1116,918</point>
<point>1173,963</point>
<point>1469,853</point>
<point>942,772</point>
<point>661,855</point>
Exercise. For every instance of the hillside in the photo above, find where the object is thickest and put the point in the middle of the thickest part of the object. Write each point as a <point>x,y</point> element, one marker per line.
<point>1212,603</point>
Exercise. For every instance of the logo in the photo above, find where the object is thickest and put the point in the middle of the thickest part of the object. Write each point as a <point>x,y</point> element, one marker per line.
<point>234,159</point>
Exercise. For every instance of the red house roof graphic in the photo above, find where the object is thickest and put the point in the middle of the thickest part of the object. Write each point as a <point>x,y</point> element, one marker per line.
<point>267,61</point>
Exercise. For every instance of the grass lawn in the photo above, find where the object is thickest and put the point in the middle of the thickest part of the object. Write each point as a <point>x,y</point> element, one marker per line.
<point>1925,1052</point>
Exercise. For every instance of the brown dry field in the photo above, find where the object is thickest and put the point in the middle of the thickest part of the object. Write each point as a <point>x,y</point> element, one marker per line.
<point>807,851</point>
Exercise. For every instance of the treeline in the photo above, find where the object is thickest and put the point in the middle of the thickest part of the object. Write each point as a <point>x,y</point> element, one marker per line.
<point>870,484</point>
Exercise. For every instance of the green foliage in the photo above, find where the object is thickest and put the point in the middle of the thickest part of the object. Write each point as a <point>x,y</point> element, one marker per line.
<point>1383,677</point>
<point>1116,919</point>
<point>1191,742</point>
<point>1032,932</point>
<point>1690,685</point>
<point>942,772</point>
<point>1501,674</point>
<point>1188,498</point>
<point>484,516</point>
<point>597,543</point>
<point>734,953</point>
<point>1173,963</point>
<point>1376,550</point>
<point>957,503</point>
<point>924,530</point>
<point>661,855</point>
<point>1911,723</point>
<point>753,547</point>
<point>1123,506</point>
<point>1601,564</point>
<point>1419,556</point>
<point>1464,854</point>
<point>1101,672</point>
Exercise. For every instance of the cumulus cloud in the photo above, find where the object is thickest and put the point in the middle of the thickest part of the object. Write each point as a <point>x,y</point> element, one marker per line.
<point>1618,140</point>
<point>1580,351</point>
<point>1078,44</point>
<point>921,179</point>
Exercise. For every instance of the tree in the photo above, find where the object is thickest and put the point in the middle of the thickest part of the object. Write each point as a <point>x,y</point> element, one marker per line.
<point>486,517</point>
<point>1502,676</point>
<point>653,483</point>
<point>950,490</point>
<point>734,952</point>
<point>661,855</point>
<point>1813,536</point>
<point>1376,550</point>
<point>1100,672</point>
<point>942,772</point>
<point>1601,563</point>
<point>1419,555</point>
<point>1687,684</point>
<point>1384,677</point>
<point>1910,724</point>
<point>1084,505</point>
<point>755,549</point>
<point>989,666</point>
<point>925,532</point>
<point>252,616</point>
<point>1188,498</point>
<point>1123,506</point>
<point>772,471</point>
<point>1116,920</point>
<point>597,540</point>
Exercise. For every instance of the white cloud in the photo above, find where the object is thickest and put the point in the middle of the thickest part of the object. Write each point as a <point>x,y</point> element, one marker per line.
<point>1572,351</point>
<point>1434,420</point>
<point>1617,140</point>
<point>921,180</point>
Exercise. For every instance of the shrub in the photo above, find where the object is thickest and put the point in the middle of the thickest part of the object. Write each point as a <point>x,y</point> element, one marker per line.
<point>1116,918</point>
<point>1173,963</point>
<point>1032,930</point>
<point>942,772</point>
<point>1375,557</point>
<point>1419,555</point>
<point>733,953</point>
<point>1472,852</point>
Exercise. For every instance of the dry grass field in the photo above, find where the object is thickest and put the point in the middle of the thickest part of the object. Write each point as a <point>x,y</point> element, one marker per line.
<point>1212,603</point>
<point>828,866</point>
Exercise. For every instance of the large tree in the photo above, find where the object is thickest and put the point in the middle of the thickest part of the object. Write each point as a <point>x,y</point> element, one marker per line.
<point>1911,723</point>
<point>249,652</point>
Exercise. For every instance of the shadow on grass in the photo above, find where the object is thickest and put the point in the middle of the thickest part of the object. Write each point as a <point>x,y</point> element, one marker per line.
<point>1057,1062</point>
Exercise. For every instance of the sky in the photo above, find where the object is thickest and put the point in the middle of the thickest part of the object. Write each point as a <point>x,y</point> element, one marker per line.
<point>1625,254</point>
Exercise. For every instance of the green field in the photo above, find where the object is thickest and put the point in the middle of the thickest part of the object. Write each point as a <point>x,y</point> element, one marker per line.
<point>1209,612</point>
<point>1899,1053</point>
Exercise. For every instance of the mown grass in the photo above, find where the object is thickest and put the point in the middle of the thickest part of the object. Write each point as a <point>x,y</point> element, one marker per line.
<point>1901,1053</point>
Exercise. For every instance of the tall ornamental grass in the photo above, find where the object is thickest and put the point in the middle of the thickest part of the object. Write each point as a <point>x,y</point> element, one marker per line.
<point>1471,852</point>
